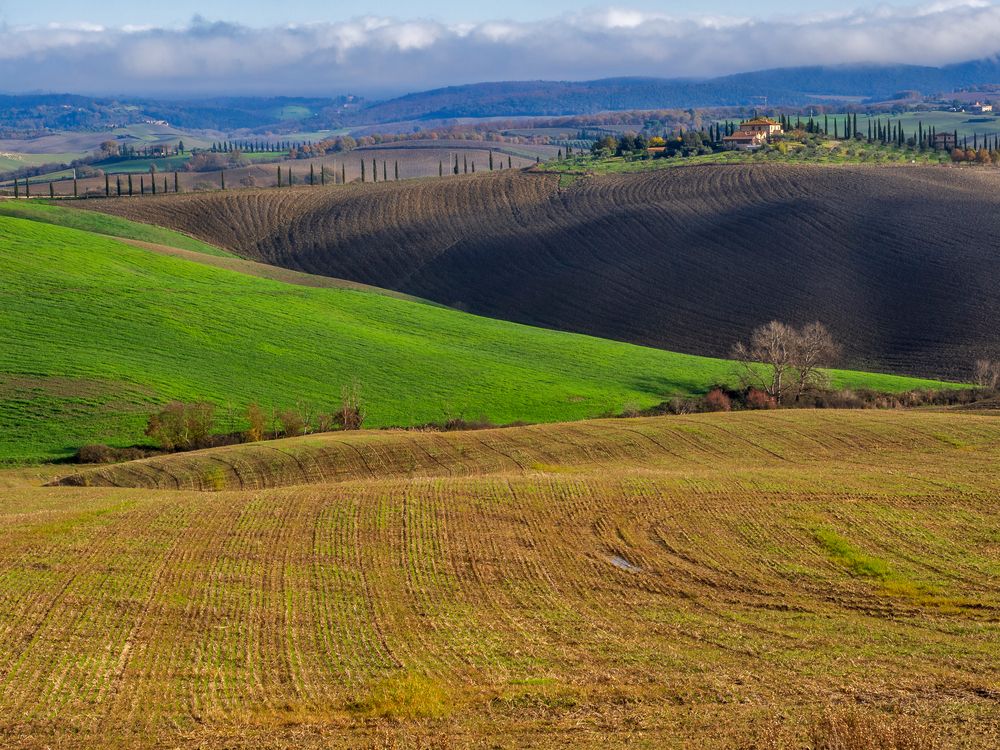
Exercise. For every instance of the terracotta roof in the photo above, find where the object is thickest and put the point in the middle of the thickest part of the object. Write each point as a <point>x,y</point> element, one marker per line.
<point>762,121</point>
<point>743,135</point>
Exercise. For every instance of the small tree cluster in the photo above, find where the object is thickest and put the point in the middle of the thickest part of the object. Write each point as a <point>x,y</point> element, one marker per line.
<point>302,419</point>
<point>181,426</point>
<point>783,361</point>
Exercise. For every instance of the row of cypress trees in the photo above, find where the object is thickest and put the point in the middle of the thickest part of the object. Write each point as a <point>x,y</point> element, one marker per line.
<point>285,177</point>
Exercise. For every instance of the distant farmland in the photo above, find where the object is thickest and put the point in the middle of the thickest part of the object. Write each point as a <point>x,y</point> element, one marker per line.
<point>717,581</point>
<point>899,262</point>
<point>415,159</point>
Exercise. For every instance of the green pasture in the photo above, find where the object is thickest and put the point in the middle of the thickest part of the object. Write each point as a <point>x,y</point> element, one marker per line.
<point>95,334</point>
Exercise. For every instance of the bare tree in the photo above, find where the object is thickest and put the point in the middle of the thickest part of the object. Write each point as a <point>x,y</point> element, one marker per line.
<point>986,374</point>
<point>765,363</point>
<point>783,361</point>
<point>814,349</point>
<point>351,414</point>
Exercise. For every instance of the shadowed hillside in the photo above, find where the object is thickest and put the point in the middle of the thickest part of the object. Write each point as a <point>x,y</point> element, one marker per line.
<point>899,262</point>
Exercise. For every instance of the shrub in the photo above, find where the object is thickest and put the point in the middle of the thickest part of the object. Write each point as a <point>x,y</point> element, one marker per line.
<point>95,454</point>
<point>292,422</point>
<point>351,414</point>
<point>717,400</point>
<point>181,426</point>
<point>258,422</point>
<point>758,399</point>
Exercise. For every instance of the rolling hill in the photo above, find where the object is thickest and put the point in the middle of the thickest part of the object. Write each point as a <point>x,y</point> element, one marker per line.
<point>94,333</point>
<point>899,262</point>
<point>772,580</point>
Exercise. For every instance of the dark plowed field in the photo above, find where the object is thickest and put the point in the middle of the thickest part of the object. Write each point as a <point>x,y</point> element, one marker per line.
<point>901,263</point>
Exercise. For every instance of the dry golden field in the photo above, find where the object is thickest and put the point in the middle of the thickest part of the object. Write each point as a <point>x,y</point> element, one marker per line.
<point>753,580</point>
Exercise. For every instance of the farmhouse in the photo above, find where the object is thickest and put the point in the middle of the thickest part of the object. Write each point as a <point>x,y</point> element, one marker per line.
<point>753,133</point>
<point>980,107</point>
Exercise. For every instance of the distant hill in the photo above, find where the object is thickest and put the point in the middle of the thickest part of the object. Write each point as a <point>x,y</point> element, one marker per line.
<point>793,87</point>
<point>781,87</point>
<point>899,262</point>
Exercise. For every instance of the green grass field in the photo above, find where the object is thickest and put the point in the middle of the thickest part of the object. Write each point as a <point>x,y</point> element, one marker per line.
<point>97,223</point>
<point>95,333</point>
<point>11,161</point>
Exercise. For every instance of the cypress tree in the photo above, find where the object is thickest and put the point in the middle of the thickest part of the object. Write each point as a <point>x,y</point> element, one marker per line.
<point>27,187</point>
<point>118,185</point>
<point>176,183</point>
<point>465,162</point>
<point>279,176</point>
<point>473,167</point>
<point>508,162</point>
<point>76,193</point>
<point>362,170</point>
<point>165,188</point>
<point>385,172</point>
<point>107,185</point>
<point>312,175</point>
<point>374,171</point>
<point>322,174</point>
<point>17,189</point>
<point>440,168</point>
<point>343,173</point>
<point>130,186</point>
<point>396,169</point>
<point>222,179</point>
<point>456,164</point>
<point>52,191</point>
<point>142,186</point>
<point>491,160</point>
<point>975,141</point>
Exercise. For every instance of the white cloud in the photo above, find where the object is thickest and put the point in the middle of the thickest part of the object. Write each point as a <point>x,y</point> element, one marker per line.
<point>384,54</point>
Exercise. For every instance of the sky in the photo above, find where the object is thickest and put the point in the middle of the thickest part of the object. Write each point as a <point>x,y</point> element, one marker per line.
<point>310,47</point>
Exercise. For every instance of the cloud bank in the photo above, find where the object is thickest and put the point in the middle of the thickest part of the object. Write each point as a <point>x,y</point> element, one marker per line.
<point>373,55</point>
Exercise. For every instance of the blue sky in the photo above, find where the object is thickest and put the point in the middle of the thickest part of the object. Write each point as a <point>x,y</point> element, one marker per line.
<point>298,47</point>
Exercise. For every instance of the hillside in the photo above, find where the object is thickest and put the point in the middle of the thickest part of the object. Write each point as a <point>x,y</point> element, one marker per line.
<point>796,86</point>
<point>94,333</point>
<point>787,578</point>
<point>680,444</point>
<point>899,262</point>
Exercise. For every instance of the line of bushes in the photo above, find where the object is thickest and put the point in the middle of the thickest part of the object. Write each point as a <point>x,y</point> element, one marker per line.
<point>723,398</point>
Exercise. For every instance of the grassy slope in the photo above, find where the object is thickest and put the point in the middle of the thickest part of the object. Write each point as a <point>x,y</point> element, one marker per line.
<point>91,221</point>
<point>94,332</point>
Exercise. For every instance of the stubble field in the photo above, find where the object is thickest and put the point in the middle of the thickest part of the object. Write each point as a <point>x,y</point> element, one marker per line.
<point>717,581</point>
